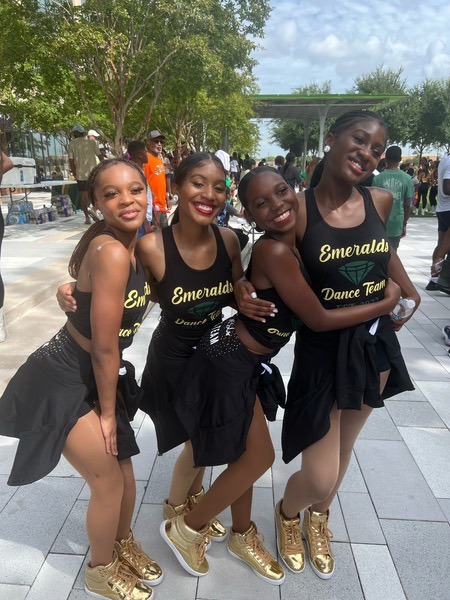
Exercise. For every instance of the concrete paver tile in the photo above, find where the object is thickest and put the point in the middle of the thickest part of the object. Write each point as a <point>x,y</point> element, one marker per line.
<point>55,579</point>
<point>72,538</point>
<point>436,392</point>
<point>13,592</point>
<point>360,519</point>
<point>6,491</point>
<point>41,509</point>
<point>431,451</point>
<point>344,584</point>
<point>423,366</point>
<point>421,554</point>
<point>395,482</point>
<point>413,414</point>
<point>379,426</point>
<point>445,505</point>
<point>376,570</point>
<point>353,480</point>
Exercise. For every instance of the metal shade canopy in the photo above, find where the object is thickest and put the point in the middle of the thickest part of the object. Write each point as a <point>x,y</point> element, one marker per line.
<point>312,107</point>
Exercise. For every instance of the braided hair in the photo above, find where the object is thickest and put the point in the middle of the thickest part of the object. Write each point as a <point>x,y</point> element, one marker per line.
<point>96,229</point>
<point>341,124</point>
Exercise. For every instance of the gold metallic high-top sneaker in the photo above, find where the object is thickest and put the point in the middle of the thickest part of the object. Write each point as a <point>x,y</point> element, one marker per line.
<point>116,582</point>
<point>318,536</point>
<point>170,511</point>
<point>289,540</point>
<point>249,548</point>
<point>130,553</point>
<point>188,545</point>
<point>217,531</point>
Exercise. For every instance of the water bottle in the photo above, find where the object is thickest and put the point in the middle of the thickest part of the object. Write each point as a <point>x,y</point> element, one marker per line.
<point>403,309</point>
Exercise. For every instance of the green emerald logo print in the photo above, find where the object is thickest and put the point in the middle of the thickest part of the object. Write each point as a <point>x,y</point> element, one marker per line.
<point>202,309</point>
<point>357,270</point>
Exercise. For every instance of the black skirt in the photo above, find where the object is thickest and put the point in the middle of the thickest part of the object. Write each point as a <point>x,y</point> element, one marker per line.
<point>216,396</point>
<point>343,367</point>
<point>45,398</point>
<point>167,360</point>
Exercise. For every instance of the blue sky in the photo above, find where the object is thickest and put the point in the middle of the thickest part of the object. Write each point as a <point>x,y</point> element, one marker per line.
<point>337,40</point>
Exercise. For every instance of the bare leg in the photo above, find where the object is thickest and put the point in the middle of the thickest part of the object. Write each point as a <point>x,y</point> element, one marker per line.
<point>185,477</point>
<point>320,468</point>
<point>241,511</point>
<point>128,499</point>
<point>85,450</point>
<point>197,486</point>
<point>239,476</point>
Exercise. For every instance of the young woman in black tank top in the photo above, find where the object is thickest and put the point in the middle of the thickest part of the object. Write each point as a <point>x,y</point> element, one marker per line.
<point>342,272</point>
<point>191,266</point>
<point>69,398</point>
<point>218,392</point>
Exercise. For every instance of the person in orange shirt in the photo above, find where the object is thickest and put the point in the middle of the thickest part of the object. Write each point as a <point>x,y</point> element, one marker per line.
<point>156,176</point>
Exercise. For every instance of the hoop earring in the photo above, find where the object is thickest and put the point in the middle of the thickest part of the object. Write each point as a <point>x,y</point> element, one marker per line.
<point>326,148</point>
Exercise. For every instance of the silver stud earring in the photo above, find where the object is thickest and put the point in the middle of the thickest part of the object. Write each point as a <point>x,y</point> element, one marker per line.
<point>175,198</point>
<point>253,224</point>
<point>326,148</point>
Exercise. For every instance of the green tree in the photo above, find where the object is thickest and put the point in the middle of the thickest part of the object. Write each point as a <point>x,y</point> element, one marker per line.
<point>383,80</point>
<point>124,53</point>
<point>427,112</point>
<point>289,133</point>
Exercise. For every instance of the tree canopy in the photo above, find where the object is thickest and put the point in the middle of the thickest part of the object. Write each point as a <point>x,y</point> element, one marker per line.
<point>109,64</point>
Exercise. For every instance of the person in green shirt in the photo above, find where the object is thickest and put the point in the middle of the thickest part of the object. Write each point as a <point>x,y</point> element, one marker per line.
<point>401,187</point>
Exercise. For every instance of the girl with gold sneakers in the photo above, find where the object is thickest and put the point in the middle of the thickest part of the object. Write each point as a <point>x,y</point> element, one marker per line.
<point>71,398</point>
<point>338,377</point>
<point>221,398</point>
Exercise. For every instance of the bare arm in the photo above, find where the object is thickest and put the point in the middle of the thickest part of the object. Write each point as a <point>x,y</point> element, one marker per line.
<point>109,272</point>
<point>400,276</point>
<point>282,270</point>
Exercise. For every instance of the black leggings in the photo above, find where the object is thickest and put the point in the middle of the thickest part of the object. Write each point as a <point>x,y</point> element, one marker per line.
<point>433,195</point>
<point>2,232</point>
<point>423,193</point>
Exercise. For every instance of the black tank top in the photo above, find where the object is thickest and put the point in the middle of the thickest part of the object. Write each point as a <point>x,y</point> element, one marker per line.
<point>191,300</point>
<point>137,296</point>
<point>348,266</point>
<point>277,330</point>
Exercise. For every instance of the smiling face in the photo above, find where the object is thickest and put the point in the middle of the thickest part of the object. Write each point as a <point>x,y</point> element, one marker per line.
<point>271,203</point>
<point>202,194</point>
<point>121,195</point>
<point>356,151</point>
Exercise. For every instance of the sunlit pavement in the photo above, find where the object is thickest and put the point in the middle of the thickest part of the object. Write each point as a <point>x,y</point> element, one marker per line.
<point>390,520</point>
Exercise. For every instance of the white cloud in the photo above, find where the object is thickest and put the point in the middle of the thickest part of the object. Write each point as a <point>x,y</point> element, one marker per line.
<point>317,40</point>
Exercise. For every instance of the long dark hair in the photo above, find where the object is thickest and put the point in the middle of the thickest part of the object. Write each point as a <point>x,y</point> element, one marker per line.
<point>341,124</point>
<point>95,229</point>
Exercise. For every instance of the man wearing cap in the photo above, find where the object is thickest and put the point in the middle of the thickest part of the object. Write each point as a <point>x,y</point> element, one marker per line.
<point>83,154</point>
<point>156,176</point>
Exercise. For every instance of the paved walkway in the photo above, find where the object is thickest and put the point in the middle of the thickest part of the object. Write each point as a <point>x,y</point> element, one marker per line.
<point>390,520</point>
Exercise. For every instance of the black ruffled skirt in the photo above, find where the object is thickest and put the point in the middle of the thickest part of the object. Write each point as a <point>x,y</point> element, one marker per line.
<point>215,398</point>
<point>45,398</point>
<point>343,367</point>
<point>167,360</point>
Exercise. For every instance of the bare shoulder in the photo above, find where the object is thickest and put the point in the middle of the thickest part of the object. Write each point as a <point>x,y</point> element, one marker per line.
<point>230,239</point>
<point>382,200</point>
